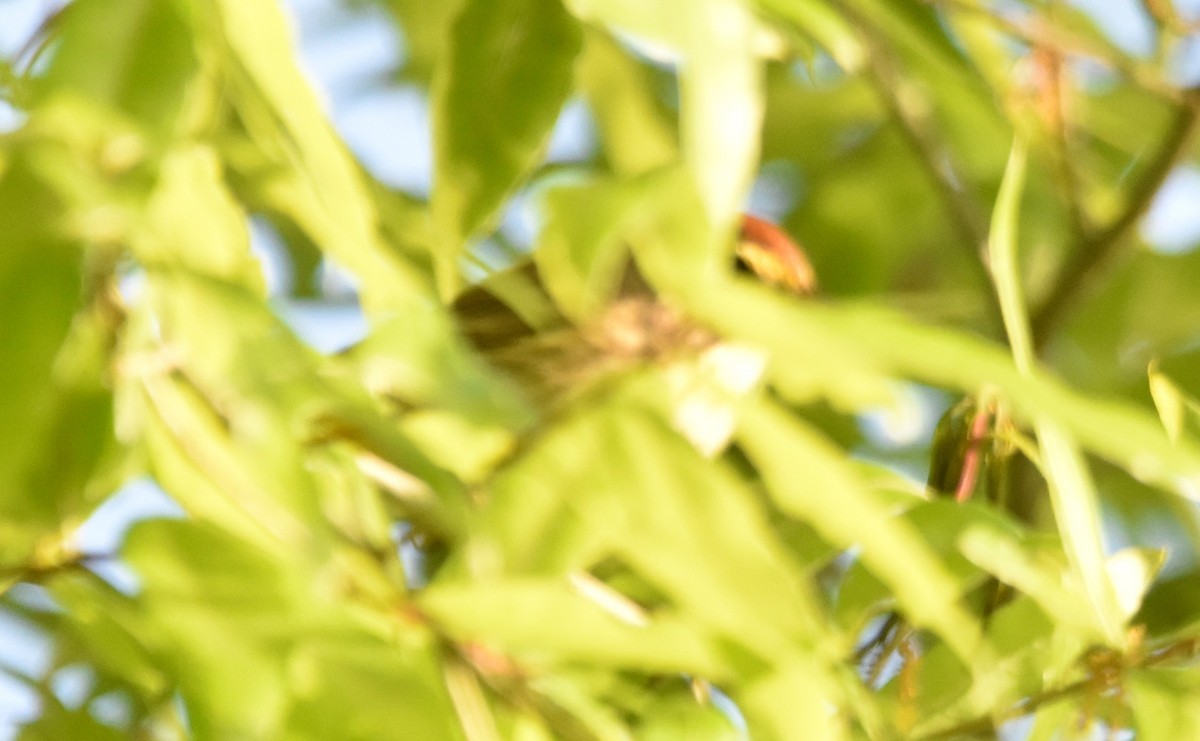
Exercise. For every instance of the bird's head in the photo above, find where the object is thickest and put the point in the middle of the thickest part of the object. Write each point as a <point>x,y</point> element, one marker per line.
<point>767,252</point>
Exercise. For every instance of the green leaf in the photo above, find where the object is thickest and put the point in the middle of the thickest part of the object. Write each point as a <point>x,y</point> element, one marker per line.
<point>581,254</point>
<point>1176,401</point>
<point>811,357</point>
<point>303,169</point>
<point>1002,254</point>
<point>508,73</point>
<point>575,620</point>
<point>1172,605</point>
<point>136,55</point>
<point>193,222</point>
<point>637,131</point>
<point>213,605</point>
<point>802,470</point>
<point>825,25</point>
<point>56,721</point>
<point>685,718</point>
<point>796,693</point>
<point>1072,492</point>
<point>1041,575</point>
<point>847,353</point>
<point>1164,703</point>
<point>424,26</point>
<point>1145,311</point>
<point>1051,719</point>
<point>1132,571</point>
<point>1033,653</point>
<point>261,648</point>
<point>720,87</point>
<point>418,359</point>
<point>107,630</point>
<point>942,524</point>
<point>40,284</point>
<point>194,459</point>
<point>251,397</point>
<point>616,481</point>
<point>363,687</point>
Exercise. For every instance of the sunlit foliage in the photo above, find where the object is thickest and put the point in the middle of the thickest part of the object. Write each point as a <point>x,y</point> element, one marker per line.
<point>758,535</point>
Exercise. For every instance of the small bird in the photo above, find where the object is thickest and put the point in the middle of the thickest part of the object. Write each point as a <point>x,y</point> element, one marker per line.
<point>525,335</point>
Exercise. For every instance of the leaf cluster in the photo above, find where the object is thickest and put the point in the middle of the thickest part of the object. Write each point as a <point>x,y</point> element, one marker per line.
<point>398,540</point>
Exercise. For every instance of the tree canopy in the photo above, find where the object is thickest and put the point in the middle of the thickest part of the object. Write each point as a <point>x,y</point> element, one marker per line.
<point>764,536</point>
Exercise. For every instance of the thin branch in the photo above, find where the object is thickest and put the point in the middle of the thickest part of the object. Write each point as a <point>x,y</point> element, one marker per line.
<point>1042,35</point>
<point>1096,253</point>
<point>35,572</point>
<point>510,682</point>
<point>1052,106</point>
<point>1181,651</point>
<point>918,127</point>
<point>31,571</point>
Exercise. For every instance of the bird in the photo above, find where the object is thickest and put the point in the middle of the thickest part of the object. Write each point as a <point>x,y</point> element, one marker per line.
<point>511,320</point>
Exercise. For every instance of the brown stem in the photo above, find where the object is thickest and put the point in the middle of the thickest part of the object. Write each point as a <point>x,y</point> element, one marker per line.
<point>1072,44</point>
<point>1097,253</point>
<point>917,126</point>
<point>1182,651</point>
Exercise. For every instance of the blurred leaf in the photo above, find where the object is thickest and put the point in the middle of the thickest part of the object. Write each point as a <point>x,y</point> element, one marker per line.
<point>1072,492</point>
<point>616,481</point>
<point>1171,606</point>
<point>308,173</point>
<point>1112,146</point>
<point>136,55</point>
<point>193,222</point>
<point>924,588</point>
<point>1165,703</point>
<point>1049,720</point>
<point>1041,575</point>
<point>1118,431</point>
<point>824,24</point>
<point>57,722</point>
<point>1132,570</point>
<point>201,468</point>
<point>255,396</point>
<point>424,26</point>
<point>580,251</point>
<point>260,650</point>
<point>945,85</point>
<point>528,616</point>
<point>687,719</point>
<point>795,694</point>
<point>810,357</point>
<point>111,635</point>
<point>418,359</point>
<point>984,45</point>
<point>362,686</point>
<point>942,524</point>
<point>1003,236</point>
<point>213,603</point>
<point>508,73</point>
<point>1033,654</point>
<point>241,390</point>
<point>40,284</point>
<point>720,87</point>
<point>1146,310</point>
<point>636,128</point>
<point>468,450</point>
<point>394,537</point>
<point>1175,409</point>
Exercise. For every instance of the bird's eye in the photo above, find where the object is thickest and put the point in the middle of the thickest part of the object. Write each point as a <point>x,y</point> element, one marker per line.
<point>740,264</point>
